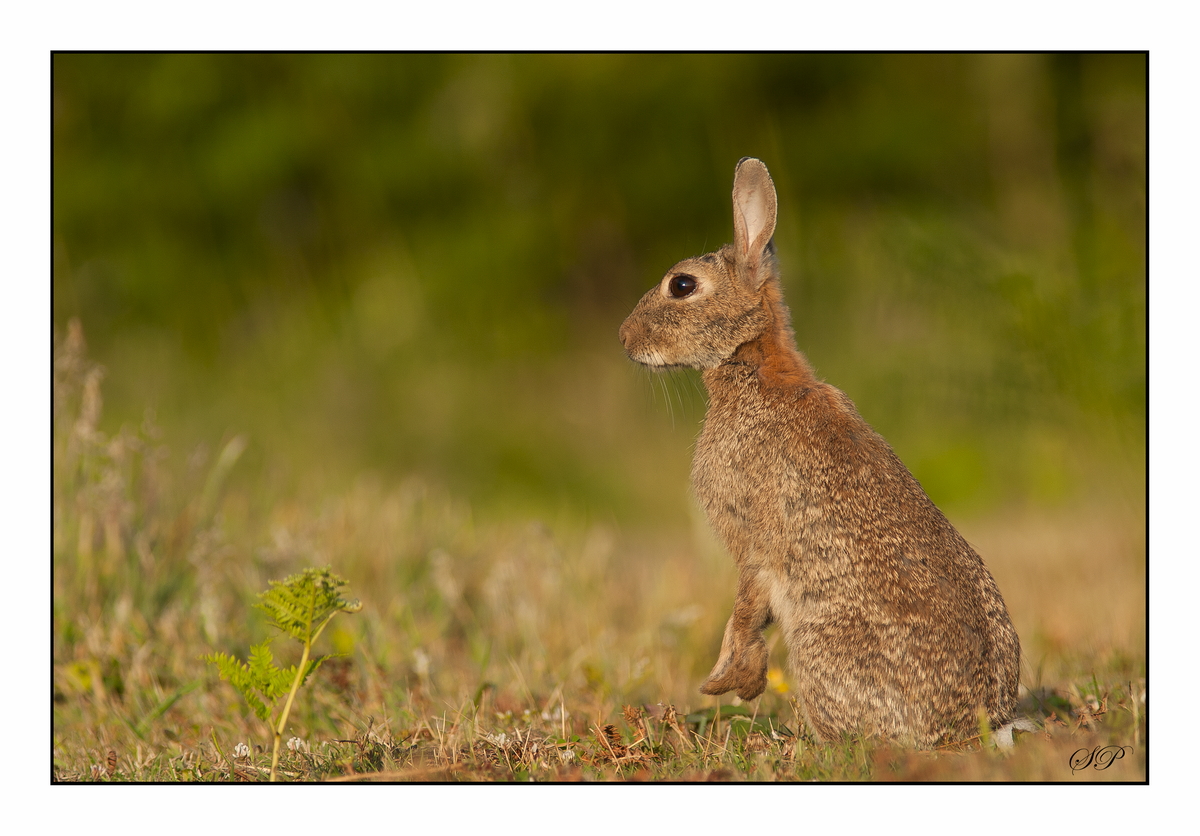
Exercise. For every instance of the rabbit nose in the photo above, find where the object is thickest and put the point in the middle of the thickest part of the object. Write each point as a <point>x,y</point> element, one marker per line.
<point>633,332</point>
<point>624,333</point>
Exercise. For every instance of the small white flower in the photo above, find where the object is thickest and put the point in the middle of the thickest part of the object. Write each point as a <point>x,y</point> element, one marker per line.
<point>421,662</point>
<point>241,751</point>
<point>295,744</point>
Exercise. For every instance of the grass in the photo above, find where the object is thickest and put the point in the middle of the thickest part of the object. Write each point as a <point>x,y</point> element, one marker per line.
<point>501,648</point>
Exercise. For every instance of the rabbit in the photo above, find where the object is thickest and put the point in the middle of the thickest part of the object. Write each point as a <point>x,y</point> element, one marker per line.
<point>894,627</point>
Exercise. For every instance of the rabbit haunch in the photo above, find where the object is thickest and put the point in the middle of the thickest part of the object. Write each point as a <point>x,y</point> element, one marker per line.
<point>893,625</point>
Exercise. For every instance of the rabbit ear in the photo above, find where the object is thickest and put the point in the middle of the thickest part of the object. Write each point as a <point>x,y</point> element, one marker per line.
<point>753,210</point>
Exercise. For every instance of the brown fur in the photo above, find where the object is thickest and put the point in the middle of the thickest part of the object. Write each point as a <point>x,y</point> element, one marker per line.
<point>894,626</point>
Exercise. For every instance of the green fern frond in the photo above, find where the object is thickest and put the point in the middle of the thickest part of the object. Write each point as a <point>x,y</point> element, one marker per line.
<point>271,680</point>
<point>301,604</point>
<point>245,680</point>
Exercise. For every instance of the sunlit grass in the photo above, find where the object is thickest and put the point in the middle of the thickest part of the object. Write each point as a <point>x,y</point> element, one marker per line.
<point>500,645</point>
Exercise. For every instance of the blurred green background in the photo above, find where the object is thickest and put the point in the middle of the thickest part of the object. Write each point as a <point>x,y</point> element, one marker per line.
<point>415,265</point>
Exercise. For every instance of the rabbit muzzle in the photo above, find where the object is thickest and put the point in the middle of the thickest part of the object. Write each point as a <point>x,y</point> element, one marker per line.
<point>635,339</point>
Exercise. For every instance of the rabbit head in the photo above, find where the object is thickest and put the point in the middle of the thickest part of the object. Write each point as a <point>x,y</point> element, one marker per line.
<point>705,308</point>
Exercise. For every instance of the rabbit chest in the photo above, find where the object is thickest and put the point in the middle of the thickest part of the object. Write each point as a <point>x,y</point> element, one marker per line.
<point>753,470</point>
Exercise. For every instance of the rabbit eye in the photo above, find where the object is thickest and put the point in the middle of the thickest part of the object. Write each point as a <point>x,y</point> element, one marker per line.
<point>681,286</point>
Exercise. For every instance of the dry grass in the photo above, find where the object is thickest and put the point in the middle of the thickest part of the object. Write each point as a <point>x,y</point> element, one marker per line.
<point>502,650</point>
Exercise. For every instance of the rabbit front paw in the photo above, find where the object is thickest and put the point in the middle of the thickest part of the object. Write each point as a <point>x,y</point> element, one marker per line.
<point>742,670</point>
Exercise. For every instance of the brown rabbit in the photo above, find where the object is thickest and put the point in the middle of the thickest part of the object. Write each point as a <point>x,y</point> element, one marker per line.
<point>894,627</point>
